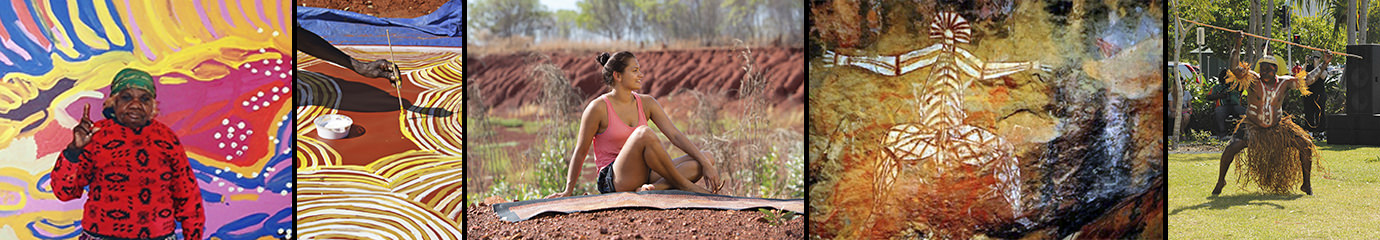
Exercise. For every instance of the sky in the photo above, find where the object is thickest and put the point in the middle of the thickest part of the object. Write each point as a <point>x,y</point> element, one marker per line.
<point>553,5</point>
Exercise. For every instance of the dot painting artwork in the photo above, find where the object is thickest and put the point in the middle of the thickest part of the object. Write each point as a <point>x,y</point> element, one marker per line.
<point>220,72</point>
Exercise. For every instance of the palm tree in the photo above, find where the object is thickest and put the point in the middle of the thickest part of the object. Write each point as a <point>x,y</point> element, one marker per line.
<point>1344,15</point>
<point>1310,6</point>
<point>1363,20</point>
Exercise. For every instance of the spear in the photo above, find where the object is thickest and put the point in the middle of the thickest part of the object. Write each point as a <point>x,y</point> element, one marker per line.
<point>1272,39</point>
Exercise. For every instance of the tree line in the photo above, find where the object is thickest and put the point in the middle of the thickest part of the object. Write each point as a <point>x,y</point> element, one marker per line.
<point>711,22</point>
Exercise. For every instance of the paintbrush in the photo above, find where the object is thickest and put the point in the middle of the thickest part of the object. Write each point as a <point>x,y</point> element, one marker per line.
<point>397,75</point>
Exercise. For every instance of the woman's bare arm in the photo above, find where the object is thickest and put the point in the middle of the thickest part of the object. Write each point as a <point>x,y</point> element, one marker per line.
<point>667,127</point>
<point>589,123</point>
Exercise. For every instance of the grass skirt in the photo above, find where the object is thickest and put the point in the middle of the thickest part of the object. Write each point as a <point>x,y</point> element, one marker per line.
<point>1272,157</point>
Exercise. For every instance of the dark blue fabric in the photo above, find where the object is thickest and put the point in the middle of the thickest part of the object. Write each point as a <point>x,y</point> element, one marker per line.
<point>444,27</point>
<point>605,181</point>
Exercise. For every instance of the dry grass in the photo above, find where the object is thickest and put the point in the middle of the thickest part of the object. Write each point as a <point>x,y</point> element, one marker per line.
<point>754,159</point>
<point>559,98</point>
<point>753,123</point>
<point>478,129</point>
<point>476,111</point>
<point>1272,158</point>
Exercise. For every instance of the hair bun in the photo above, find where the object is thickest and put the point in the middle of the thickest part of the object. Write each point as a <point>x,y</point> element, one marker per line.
<point>603,58</point>
<point>611,63</point>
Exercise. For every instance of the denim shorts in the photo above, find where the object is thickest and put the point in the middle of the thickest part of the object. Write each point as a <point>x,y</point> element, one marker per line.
<point>606,180</point>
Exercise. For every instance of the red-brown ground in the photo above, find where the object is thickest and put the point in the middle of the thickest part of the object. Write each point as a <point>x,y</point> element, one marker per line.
<point>482,223</point>
<point>506,82</point>
<point>381,8</point>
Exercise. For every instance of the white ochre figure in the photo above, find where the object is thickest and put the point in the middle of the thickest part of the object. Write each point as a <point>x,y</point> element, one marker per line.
<point>940,136</point>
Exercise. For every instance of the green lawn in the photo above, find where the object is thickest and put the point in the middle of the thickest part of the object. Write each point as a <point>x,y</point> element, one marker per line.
<point>1345,204</point>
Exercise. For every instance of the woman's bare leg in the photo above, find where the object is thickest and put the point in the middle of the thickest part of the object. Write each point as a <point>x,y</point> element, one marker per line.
<point>687,167</point>
<point>641,153</point>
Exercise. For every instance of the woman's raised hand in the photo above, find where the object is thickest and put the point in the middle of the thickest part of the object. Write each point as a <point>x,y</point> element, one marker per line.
<point>81,134</point>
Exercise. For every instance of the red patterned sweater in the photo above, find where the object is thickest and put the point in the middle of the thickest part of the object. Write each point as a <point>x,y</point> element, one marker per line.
<point>139,182</point>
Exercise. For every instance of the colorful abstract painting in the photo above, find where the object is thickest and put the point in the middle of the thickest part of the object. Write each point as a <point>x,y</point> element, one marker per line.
<point>398,174</point>
<point>223,76</point>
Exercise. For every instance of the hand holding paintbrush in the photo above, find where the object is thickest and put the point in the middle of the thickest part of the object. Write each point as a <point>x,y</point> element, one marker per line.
<point>381,68</point>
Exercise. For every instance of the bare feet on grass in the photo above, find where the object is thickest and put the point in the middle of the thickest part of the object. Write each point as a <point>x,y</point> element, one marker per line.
<point>1218,189</point>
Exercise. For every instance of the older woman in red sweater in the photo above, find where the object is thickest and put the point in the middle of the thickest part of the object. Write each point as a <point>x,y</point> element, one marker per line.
<point>134,170</point>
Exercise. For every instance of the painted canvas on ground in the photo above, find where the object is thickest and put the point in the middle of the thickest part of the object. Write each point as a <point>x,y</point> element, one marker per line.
<point>221,68</point>
<point>990,118</point>
<point>397,174</point>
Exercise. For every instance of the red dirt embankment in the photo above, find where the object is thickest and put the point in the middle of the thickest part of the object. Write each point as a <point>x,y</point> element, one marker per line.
<point>506,82</point>
<point>381,8</point>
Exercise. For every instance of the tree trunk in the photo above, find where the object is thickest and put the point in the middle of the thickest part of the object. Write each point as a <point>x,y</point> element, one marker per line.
<point>1351,22</point>
<point>1178,82</point>
<point>1363,14</point>
<point>1267,28</point>
<point>1253,27</point>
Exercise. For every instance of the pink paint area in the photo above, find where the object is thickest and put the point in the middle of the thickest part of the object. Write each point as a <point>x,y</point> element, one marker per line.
<point>53,138</point>
<point>197,111</point>
<point>239,136</point>
<point>269,202</point>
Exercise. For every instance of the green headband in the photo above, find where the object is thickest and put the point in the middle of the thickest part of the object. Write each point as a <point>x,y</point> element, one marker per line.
<point>131,78</point>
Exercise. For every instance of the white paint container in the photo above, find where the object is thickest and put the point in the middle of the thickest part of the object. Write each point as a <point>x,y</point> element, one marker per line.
<point>333,126</point>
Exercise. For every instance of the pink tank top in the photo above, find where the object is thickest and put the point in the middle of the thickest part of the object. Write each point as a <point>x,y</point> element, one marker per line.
<point>609,143</point>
